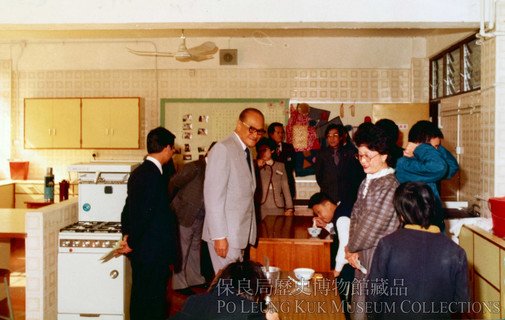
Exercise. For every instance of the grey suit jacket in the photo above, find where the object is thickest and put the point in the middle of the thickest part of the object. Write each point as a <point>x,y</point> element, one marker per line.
<point>229,195</point>
<point>187,185</point>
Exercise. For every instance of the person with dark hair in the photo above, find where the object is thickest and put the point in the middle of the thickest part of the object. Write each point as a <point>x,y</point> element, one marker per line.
<point>426,160</point>
<point>284,152</point>
<point>229,187</point>
<point>338,172</point>
<point>273,189</point>
<point>336,222</point>
<point>432,268</point>
<point>373,215</point>
<point>237,292</point>
<point>149,229</point>
<point>186,189</point>
<point>393,133</point>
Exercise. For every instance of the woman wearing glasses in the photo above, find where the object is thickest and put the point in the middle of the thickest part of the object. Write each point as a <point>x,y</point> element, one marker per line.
<point>373,215</point>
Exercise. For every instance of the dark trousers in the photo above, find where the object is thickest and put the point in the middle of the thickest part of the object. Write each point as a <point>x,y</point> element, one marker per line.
<point>149,290</point>
<point>344,283</point>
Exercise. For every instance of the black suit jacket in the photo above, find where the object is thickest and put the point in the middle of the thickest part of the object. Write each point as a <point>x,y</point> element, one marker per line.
<point>216,305</point>
<point>341,182</point>
<point>287,155</point>
<point>146,217</point>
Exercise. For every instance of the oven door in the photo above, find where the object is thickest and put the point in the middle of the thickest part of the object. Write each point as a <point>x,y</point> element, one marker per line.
<point>89,288</point>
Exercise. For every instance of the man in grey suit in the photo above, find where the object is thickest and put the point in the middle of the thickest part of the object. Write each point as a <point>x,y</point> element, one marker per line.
<point>186,187</point>
<point>230,222</point>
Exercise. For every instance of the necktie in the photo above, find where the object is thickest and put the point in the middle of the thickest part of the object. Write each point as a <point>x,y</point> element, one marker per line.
<point>335,156</point>
<point>248,157</point>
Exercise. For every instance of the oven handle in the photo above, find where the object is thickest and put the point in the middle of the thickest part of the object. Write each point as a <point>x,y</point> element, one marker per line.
<point>89,315</point>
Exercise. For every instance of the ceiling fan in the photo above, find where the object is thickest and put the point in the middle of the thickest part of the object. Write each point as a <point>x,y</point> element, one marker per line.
<point>205,51</point>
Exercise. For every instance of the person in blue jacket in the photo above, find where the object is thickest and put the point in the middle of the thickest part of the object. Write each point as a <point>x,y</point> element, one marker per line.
<point>426,160</point>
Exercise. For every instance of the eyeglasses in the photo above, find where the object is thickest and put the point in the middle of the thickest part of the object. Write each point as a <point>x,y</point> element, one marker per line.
<point>365,156</point>
<point>253,130</point>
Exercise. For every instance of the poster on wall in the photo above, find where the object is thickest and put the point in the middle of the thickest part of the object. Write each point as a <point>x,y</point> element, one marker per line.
<point>198,122</point>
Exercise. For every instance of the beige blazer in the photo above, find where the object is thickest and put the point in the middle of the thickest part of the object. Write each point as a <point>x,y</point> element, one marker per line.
<point>275,175</point>
<point>229,195</point>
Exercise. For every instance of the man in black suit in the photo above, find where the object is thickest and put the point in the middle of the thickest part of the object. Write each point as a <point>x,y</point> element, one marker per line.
<point>285,152</point>
<point>149,229</point>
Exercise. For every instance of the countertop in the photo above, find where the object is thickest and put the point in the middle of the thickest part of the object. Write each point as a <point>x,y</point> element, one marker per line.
<point>9,181</point>
<point>289,227</point>
<point>12,223</point>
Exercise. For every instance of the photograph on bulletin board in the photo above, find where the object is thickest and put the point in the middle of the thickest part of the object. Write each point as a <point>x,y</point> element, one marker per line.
<point>198,122</point>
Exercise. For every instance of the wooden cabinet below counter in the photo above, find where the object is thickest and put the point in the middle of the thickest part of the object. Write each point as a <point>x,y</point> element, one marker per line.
<point>486,267</point>
<point>7,195</point>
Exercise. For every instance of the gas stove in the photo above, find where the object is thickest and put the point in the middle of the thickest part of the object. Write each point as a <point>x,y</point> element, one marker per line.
<point>92,282</point>
<point>94,227</point>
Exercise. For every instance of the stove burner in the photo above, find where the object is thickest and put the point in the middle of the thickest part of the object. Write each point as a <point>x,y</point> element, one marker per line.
<point>94,226</point>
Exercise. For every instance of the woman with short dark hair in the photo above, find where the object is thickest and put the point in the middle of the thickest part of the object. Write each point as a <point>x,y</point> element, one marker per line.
<point>422,272</point>
<point>373,215</point>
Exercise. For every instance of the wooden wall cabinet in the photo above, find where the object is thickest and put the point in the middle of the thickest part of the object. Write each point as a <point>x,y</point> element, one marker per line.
<point>52,123</point>
<point>486,267</point>
<point>110,123</point>
<point>74,123</point>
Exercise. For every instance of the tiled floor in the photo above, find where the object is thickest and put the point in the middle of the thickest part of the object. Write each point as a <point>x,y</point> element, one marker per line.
<point>18,283</point>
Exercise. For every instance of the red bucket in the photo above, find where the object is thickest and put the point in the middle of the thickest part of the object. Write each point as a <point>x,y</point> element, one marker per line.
<point>19,170</point>
<point>497,207</point>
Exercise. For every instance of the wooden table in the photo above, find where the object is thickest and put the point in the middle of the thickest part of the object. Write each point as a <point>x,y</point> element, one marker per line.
<point>288,245</point>
<point>12,225</point>
<point>318,299</point>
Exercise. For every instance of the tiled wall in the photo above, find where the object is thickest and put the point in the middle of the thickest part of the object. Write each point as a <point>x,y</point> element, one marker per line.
<point>469,181</point>
<point>489,145</point>
<point>339,85</point>
<point>42,228</point>
<point>5,114</point>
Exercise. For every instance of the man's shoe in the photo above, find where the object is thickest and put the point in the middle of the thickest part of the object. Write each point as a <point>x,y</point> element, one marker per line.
<point>185,291</point>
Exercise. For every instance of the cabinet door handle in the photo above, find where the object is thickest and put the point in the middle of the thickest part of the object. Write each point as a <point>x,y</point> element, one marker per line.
<point>54,132</point>
<point>106,132</point>
<point>49,131</point>
<point>112,131</point>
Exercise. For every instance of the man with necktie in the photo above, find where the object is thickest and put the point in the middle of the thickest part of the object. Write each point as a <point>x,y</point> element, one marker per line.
<point>284,152</point>
<point>230,183</point>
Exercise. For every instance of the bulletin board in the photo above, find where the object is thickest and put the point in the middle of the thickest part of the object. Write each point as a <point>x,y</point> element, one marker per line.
<point>198,122</point>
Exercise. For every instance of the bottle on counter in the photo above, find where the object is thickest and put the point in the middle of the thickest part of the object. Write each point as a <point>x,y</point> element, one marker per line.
<point>49,185</point>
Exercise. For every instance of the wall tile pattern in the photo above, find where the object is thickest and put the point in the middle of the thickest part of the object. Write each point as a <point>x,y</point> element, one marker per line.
<point>42,227</point>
